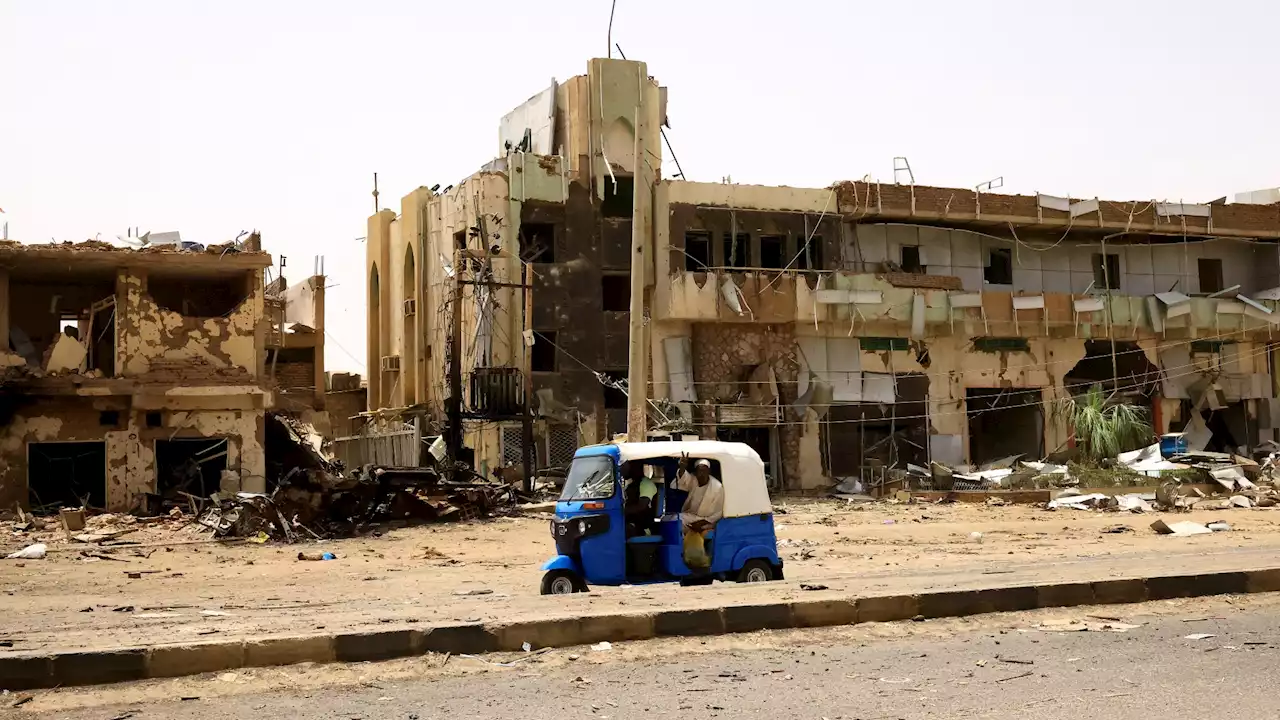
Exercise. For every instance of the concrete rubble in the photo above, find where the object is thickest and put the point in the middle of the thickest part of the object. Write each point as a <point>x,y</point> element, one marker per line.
<point>315,497</point>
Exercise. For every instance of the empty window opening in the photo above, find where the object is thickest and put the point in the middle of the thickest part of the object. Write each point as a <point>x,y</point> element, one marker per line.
<point>70,326</point>
<point>155,420</point>
<point>615,293</point>
<point>190,465</point>
<point>66,474</point>
<point>1210,275</point>
<point>911,259</point>
<point>697,251</point>
<point>205,297</point>
<point>542,356</point>
<point>809,254</point>
<point>109,418</point>
<point>102,344</point>
<point>1004,422</point>
<point>460,239</point>
<point>773,251</point>
<point>538,242</point>
<point>618,199</point>
<point>737,250</point>
<point>999,270</point>
<point>615,399</point>
<point>1106,271</point>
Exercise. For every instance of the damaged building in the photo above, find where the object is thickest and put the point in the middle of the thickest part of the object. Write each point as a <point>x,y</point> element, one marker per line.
<point>837,330</point>
<point>131,374</point>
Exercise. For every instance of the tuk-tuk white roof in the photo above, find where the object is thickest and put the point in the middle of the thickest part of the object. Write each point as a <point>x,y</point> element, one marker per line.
<point>746,491</point>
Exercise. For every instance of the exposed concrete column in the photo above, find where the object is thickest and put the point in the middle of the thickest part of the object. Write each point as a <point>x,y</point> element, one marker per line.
<point>318,365</point>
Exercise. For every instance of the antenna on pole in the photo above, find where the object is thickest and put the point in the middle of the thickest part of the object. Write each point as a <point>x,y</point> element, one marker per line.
<point>900,165</point>
<point>612,6</point>
<point>375,193</point>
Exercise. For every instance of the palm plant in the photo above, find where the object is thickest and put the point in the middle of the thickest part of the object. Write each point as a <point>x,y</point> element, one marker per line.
<point>1103,428</point>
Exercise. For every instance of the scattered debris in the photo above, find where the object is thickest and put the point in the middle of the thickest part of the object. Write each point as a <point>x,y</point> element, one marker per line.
<point>1117,529</point>
<point>474,591</point>
<point>30,552</point>
<point>602,646</point>
<point>22,700</point>
<point>317,556</point>
<point>1218,526</point>
<point>813,586</point>
<point>1179,529</point>
<point>1198,636</point>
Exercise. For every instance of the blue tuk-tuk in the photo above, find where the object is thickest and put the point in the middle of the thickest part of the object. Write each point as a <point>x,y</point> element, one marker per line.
<point>590,525</point>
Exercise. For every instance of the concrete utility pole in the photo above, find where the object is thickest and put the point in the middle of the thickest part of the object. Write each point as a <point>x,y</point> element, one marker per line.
<point>453,407</point>
<point>526,420</point>
<point>638,365</point>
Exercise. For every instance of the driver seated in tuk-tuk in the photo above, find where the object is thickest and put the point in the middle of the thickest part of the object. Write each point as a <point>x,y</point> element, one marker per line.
<point>704,503</point>
<point>641,498</point>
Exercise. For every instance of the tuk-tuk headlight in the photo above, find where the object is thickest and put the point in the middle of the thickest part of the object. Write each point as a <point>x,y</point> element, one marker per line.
<point>582,527</point>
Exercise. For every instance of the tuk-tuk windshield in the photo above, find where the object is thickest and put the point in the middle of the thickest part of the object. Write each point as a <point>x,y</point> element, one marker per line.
<point>590,478</point>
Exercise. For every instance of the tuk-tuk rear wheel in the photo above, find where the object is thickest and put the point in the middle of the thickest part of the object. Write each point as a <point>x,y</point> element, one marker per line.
<point>755,571</point>
<point>562,582</point>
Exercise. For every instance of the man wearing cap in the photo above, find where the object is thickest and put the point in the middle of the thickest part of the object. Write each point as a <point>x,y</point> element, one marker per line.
<point>705,502</point>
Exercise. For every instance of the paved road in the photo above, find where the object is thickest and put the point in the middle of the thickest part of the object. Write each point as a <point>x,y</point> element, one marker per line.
<point>1000,667</point>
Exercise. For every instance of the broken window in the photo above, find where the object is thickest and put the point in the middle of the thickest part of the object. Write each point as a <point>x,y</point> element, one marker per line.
<point>190,466</point>
<point>460,239</point>
<point>773,251</point>
<point>618,197</point>
<point>911,259</point>
<point>109,418</point>
<point>538,242</point>
<point>615,293</point>
<point>737,250</point>
<point>155,419</point>
<point>542,356</point>
<point>198,296</point>
<point>614,398</point>
<point>1210,275</point>
<point>999,269</point>
<point>1106,271</point>
<point>808,255</point>
<point>697,251</point>
<point>1004,422</point>
<point>1001,344</point>
<point>66,474</point>
<point>881,344</point>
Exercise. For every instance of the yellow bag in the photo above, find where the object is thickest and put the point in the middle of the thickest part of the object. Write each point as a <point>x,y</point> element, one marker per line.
<point>695,550</point>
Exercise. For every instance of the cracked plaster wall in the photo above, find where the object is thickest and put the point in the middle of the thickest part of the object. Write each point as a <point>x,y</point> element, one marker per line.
<point>146,332</point>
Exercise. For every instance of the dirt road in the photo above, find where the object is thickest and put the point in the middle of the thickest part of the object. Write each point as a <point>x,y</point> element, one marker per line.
<point>489,571</point>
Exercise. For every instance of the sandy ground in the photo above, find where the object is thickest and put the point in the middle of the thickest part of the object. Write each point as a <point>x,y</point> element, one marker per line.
<point>489,571</point>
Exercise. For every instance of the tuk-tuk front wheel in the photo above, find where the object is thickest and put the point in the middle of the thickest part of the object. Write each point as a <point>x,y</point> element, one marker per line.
<point>562,582</point>
<point>756,571</point>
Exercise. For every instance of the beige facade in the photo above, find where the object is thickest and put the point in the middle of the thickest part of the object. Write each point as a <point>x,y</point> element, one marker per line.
<point>930,315</point>
<point>124,365</point>
<point>567,214</point>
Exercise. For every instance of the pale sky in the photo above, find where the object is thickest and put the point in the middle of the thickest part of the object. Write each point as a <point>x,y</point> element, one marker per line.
<point>211,118</point>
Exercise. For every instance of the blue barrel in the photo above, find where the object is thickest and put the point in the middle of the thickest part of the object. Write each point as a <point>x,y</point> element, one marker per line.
<point>1173,444</point>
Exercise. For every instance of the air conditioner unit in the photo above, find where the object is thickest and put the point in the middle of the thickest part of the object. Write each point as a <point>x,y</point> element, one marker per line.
<point>410,306</point>
<point>391,363</point>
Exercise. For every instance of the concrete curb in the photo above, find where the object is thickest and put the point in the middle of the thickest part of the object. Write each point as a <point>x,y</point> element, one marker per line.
<point>26,671</point>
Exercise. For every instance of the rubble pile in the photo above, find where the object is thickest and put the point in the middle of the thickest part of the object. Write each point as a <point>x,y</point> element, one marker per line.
<point>315,497</point>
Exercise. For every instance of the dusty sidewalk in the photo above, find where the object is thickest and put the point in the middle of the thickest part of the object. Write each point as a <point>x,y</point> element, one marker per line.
<point>489,571</point>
